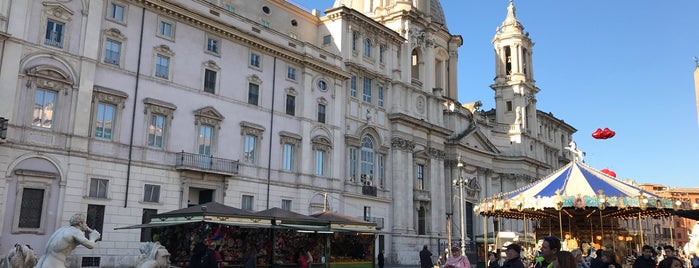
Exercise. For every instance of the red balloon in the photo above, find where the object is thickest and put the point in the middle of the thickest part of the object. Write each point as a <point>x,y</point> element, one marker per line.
<point>609,172</point>
<point>603,134</point>
<point>597,134</point>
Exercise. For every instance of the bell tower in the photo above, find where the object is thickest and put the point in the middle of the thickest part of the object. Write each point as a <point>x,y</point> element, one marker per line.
<point>515,89</point>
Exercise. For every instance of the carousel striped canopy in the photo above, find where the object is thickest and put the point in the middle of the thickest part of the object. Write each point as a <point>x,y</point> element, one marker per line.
<point>579,179</point>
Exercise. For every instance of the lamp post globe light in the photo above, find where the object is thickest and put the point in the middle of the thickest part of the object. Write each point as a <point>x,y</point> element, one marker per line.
<point>460,182</point>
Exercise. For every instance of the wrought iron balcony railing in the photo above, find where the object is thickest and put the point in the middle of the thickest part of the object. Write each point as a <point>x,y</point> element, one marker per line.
<point>369,190</point>
<point>206,163</point>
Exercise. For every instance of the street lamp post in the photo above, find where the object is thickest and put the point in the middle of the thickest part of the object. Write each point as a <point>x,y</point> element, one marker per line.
<point>460,183</point>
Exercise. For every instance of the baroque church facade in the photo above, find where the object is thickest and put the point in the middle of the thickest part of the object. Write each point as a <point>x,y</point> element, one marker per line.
<point>121,109</point>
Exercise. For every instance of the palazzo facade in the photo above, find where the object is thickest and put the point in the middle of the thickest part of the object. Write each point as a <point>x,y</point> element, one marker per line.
<point>121,109</point>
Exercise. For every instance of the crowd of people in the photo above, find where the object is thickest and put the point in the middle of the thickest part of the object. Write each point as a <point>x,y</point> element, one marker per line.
<point>551,255</point>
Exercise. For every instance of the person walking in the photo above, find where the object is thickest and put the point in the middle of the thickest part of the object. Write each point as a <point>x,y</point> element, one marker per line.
<point>425,258</point>
<point>457,260</point>
<point>380,259</point>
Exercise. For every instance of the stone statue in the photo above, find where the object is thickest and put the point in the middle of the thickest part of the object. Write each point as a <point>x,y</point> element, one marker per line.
<point>692,247</point>
<point>153,255</point>
<point>65,240</point>
<point>20,256</point>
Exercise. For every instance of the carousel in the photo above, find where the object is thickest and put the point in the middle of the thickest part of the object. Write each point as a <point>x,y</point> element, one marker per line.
<point>581,205</point>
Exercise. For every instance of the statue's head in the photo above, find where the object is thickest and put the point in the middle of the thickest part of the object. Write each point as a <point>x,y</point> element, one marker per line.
<point>78,219</point>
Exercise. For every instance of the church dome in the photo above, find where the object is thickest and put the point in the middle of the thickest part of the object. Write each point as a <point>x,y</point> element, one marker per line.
<point>436,13</point>
<point>368,6</point>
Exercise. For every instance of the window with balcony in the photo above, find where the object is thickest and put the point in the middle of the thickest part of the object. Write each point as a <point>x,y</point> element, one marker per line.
<point>54,33</point>
<point>205,139</point>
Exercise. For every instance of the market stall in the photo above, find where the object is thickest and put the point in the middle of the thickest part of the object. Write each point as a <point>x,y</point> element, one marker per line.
<point>276,236</point>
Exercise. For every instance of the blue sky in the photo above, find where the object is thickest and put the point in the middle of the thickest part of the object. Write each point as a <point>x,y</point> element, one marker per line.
<point>625,65</point>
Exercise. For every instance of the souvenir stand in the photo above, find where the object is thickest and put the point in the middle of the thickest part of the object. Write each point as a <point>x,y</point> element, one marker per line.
<point>578,203</point>
<point>277,235</point>
<point>351,244</point>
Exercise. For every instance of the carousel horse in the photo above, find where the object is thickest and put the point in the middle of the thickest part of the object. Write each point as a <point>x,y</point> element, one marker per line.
<point>21,256</point>
<point>153,255</point>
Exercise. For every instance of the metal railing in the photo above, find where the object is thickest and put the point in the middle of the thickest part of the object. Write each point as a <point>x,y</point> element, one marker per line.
<point>206,163</point>
<point>369,190</point>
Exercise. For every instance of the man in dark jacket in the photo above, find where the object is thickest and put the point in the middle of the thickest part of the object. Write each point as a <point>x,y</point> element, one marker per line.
<point>425,258</point>
<point>514,259</point>
<point>669,252</point>
<point>646,258</point>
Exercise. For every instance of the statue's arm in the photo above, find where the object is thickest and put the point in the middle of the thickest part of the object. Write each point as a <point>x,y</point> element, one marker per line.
<point>88,243</point>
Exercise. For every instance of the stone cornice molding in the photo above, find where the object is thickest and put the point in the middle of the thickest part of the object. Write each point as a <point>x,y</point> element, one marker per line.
<point>233,33</point>
<point>159,107</point>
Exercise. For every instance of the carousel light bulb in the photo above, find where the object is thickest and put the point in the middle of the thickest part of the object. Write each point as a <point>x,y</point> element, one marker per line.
<point>645,200</point>
<point>678,202</point>
<point>695,205</point>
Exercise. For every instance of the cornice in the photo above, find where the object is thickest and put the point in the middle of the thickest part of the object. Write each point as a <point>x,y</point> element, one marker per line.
<point>233,33</point>
<point>363,21</point>
<point>401,117</point>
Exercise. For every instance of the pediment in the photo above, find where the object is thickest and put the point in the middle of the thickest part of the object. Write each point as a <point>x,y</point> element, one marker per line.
<point>58,10</point>
<point>477,140</point>
<point>209,112</point>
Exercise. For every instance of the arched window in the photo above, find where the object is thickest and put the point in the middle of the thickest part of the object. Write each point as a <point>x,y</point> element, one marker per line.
<point>415,65</point>
<point>367,47</point>
<point>367,161</point>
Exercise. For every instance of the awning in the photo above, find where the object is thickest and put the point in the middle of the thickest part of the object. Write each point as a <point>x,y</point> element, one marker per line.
<point>306,228</point>
<point>353,228</point>
<point>155,224</point>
